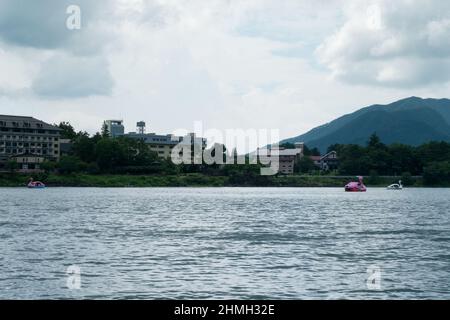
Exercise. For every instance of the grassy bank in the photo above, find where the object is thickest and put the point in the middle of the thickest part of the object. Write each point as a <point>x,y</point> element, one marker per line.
<point>190,180</point>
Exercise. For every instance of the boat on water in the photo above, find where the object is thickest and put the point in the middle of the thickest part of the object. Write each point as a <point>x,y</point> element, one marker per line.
<point>35,184</point>
<point>396,186</point>
<point>357,186</point>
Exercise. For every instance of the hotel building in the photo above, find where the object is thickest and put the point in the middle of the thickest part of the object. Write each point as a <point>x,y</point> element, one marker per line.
<point>28,141</point>
<point>162,144</point>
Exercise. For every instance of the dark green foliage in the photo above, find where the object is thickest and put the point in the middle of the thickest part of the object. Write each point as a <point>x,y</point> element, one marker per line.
<point>68,132</point>
<point>305,165</point>
<point>306,151</point>
<point>374,178</point>
<point>100,154</point>
<point>70,164</point>
<point>407,179</point>
<point>428,159</point>
<point>436,173</point>
<point>12,165</point>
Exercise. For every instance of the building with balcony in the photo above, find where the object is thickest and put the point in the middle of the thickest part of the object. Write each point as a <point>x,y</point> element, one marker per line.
<point>330,161</point>
<point>28,141</point>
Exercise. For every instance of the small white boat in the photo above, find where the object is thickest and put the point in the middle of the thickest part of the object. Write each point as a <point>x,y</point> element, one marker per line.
<point>396,186</point>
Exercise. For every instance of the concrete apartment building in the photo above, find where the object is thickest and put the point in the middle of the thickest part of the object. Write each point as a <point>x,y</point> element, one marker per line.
<point>115,127</point>
<point>287,158</point>
<point>161,144</point>
<point>28,141</point>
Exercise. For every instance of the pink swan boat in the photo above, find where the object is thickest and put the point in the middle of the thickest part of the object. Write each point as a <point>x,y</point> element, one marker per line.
<point>356,186</point>
<point>35,184</point>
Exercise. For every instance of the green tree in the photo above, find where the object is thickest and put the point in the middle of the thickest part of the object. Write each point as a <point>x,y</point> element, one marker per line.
<point>287,145</point>
<point>402,159</point>
<point>69,164</point>
<point>353,160</point>
<point>437,173</point>
<point>305,165</point>
<point>432,152</point>
<point>374,178</point>
<point>310,152</point>
<point>12,165</point>
<point>375,142</point>
<point>48,166</point>
<point>84,148</point>
<point>407,179</point>
<point>68,131</point>
<point>110,154</point>
<point>105,132</point>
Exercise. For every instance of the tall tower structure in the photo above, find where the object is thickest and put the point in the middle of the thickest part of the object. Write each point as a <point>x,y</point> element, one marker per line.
<point>140,127</point>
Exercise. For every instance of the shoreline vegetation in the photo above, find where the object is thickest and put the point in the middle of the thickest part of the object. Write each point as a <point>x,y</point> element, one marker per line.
<point>103,161</point>
<point>198,180</point>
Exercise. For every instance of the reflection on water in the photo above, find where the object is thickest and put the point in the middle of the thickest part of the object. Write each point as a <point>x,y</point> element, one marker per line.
<point>205,243</point>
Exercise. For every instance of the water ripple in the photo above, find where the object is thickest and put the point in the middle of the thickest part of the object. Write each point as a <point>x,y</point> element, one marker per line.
<point>224,243</point>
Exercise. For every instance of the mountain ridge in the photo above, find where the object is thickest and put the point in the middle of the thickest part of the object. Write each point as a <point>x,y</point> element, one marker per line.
<point>409,121</point>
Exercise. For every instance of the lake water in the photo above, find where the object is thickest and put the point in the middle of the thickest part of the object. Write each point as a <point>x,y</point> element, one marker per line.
<point>223,243</point>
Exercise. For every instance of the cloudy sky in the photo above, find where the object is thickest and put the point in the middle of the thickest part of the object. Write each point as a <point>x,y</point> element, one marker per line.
<point>289,64</point>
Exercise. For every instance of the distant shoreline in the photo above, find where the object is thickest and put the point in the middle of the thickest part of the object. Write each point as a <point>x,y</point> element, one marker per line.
<point>197,180</point>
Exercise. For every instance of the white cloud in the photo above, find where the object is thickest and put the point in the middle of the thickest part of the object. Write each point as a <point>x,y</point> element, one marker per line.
<point>230,63</point>
<point>60,57</point>
<point>391,43</point>
<point>67,76</point>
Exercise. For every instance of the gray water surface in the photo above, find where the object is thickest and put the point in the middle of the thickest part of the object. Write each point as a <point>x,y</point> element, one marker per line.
<point>224,243</point>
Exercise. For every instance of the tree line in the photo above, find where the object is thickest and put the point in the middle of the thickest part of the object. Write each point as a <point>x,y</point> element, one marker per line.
<point>430,160</point>
<point>101,154</point>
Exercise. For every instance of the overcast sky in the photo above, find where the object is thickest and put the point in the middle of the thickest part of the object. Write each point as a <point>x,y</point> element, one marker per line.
<point>287,64</point>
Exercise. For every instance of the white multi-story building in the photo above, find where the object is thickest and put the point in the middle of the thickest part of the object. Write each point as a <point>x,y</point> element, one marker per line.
<point>115,127</point>
<point>28,141</point>
<point>162,144</point>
